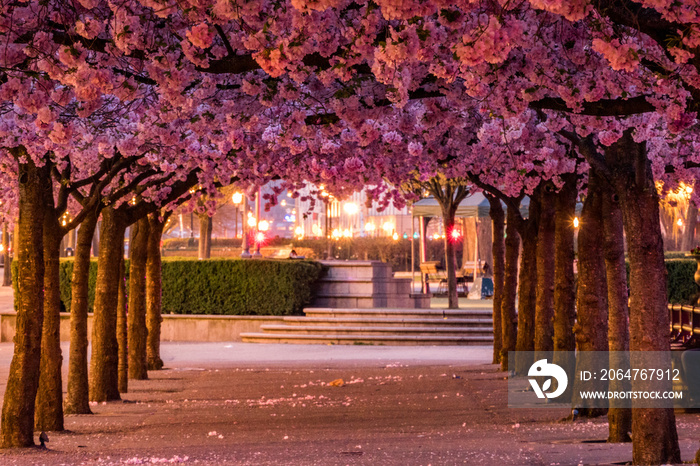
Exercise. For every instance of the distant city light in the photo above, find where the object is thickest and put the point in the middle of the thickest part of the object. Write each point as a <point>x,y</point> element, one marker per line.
<point>388,226</point>
<point>264,225</point>
<point>299,231</point>
<point>347,233</point>
<point>416,235</point>
<point>351,208</point>
<point>252,221</point>
<point>369,226</point>
<point>283,202</point>
<point>395,236</point>
<point>315,229</point>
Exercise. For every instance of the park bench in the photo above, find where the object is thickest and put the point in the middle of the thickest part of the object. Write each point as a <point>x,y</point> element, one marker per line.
<point>433,273</point>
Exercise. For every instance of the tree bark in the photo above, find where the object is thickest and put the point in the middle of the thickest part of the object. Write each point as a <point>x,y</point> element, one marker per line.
<point>527,286</point>
<point>104,363</point>
<point>619,419</point>
<point>122,331</point>
<point>564,279</point>
<point>138,333</point>
<point>691,221</point>
<point>154,291</point>
<point>17,428</point>
<point>499,264</point>
<point>7,258</point>
<point>450,258</point>
<point>49,399</point>
<point>205,231</point>
<point>654,435</point>
<point>78,395</point>
<point>544,308</point>
<point>591,329</point>
<point>509,317</point>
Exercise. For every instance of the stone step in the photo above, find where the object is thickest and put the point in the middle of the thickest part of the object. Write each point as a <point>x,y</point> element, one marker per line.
<point>406,340</point>
<point>357,269</point>
<point>362,301</point>
<point>391,321</point>
<point>341,287</point>
<point>397,312</point>
<point>338,330</point>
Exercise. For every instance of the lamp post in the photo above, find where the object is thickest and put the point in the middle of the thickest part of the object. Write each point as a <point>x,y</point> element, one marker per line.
<point>237,198</point>
<point>257,226</point>
<point>244,231</point>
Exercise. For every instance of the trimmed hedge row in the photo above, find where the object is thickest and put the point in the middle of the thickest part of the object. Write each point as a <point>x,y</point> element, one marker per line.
<point>223,287</point>
<point>681,284</point>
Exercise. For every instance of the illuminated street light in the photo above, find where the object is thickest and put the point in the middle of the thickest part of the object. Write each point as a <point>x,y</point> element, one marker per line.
<point>299,231</point>
<point>252,221</point>
<point>237,198</point>
<point>576,222</point>
<point>395,236</point>
<point>263,225</point>
<point>351,208</point>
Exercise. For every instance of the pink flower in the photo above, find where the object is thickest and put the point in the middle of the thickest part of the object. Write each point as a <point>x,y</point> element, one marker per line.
<point>201,35</point>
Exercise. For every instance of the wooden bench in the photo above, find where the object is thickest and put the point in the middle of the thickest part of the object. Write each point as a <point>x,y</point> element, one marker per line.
<point>432,273</point>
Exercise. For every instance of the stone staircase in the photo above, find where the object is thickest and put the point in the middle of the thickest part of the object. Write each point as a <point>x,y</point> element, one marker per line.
<point>365,285</point>
<point>348,326</point>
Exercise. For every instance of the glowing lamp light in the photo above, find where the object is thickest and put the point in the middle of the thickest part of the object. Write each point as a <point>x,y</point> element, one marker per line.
<point>315,229</point>
<point>347,233</point>
<point>455,234</point>
<point>436,236</point>
<point>679,222</point>
<point>299,231</point>
<point>388,226</point>
<point>369,226</point>
<point>2,248</point>
<point>263,225</point>
<point>416,235</point>
<point>395,236</point>
<point>689,189</point>
<point>237,198</point>
<point>252,222</point>
<point>351,208</point>
<point>260,237</point>
<point>576,222</point>
<point>336,233</point>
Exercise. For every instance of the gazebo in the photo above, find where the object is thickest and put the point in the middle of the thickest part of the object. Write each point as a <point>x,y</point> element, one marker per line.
<point>473,206</point>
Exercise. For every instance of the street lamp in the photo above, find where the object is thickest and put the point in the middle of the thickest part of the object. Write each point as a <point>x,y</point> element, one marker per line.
<point>244,230</point>
<point>237,198</point>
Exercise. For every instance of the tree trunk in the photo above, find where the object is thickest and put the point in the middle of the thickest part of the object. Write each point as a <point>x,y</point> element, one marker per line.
<point>619,419</point>
<point>691,221</point>
<point>104,380</point>
<point>654,435</point>
<point>23,380</point>
<point>154,289</point>
<point>138,333</point>
<point>49,399</point>
<point>7,258</point>
<point>205,230</point>
<point>509,318</point>
<point>564,279</point>
<point>484,233</point>
<point>591,328</point>
<point>499,258</point>
<point>527,286</point>
<point>122,331</point>
<point>544,309</point>
<point>78,395</point>
<point>448,217</point>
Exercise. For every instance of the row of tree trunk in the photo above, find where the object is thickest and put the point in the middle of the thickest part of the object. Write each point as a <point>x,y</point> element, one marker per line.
<point>33,399</point>
<point>557,314</point>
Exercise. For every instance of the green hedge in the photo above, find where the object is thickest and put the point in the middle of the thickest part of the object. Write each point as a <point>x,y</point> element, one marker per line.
<point>223,287</point>
<point>681,284</point>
